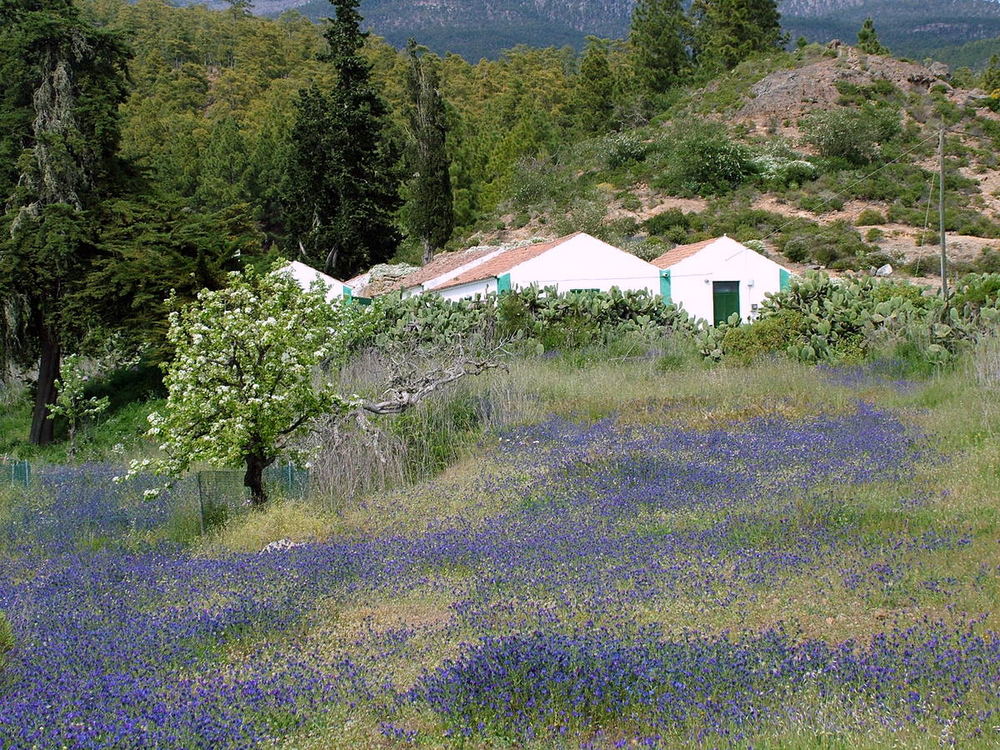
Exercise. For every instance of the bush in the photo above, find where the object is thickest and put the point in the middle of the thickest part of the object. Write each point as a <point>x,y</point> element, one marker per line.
<point>672,225</point>
<point>869,217</point>
<point>705,161</point>
<point>856,136</point>
<point>776,333</point>
<point>624,149</point>
<point>837,242</point>
<point>779,173</point>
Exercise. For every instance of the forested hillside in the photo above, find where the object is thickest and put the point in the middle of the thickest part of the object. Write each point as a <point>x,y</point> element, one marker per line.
<point>478,28</point>
<point>215,140</point>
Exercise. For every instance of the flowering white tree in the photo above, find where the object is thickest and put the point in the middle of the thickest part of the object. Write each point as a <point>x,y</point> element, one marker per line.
<point>245,380</point>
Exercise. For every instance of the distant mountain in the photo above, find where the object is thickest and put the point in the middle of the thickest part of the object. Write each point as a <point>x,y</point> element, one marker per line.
<point>483,28</point>
<point>910,28</point>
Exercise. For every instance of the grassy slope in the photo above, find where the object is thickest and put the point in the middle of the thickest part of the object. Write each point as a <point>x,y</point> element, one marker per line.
<point>961,416</point>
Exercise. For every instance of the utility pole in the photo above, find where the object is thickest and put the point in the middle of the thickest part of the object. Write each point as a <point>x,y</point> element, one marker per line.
<point>944,253</point>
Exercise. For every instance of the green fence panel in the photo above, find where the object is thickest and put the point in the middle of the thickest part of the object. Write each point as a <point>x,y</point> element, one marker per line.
<point>16,472</point>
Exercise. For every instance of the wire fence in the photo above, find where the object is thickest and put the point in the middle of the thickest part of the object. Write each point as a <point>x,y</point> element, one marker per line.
<point>220,494</point>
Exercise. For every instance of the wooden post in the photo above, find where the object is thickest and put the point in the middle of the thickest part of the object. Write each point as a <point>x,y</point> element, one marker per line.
<point>944,251</point>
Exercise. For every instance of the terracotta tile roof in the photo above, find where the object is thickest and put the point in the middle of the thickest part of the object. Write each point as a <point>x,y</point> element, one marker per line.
<point>505,261</point>
<point>440,264</point>
<point>679,253</point>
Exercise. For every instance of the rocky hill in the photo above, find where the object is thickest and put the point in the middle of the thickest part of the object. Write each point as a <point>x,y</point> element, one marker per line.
<point>834,214</point>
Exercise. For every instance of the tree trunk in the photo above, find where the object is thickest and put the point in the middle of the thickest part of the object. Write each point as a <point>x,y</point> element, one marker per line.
<point>254,478</point>
<point>48,373</point>
<point>428,250</point>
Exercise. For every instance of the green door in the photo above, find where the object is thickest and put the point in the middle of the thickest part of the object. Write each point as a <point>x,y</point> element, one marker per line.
<point>726,299</point>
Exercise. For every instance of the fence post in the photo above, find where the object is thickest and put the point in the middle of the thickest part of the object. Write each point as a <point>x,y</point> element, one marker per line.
<point>201,506</point>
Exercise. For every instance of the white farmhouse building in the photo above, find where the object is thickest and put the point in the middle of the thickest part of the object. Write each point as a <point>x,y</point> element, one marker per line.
<point>439,270</point>
<point>305,276</point>
<point>575,262</point>
<point>715,278</point>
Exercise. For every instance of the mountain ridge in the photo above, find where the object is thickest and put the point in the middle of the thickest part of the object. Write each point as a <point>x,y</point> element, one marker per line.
<point>484,28</point>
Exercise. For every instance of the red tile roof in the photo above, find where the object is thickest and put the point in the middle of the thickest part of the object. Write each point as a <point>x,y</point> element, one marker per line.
<point>677,254</point>
<point>505,261</point>
<point>440,264</point>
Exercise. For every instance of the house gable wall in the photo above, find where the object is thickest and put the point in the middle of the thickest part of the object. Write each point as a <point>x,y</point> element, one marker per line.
<point>584,262</point>
<point>724,260</point>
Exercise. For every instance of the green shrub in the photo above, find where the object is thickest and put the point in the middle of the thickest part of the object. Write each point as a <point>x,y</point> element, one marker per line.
<point>769,335</point>
<point>624,149</point>
<point>821,202</point>
<point>6,638</point>
<point>854,135</point>
<point>672,225</point>
<point>837,242</point>
<point>705,161</point>
<point>869,217</point>
<point>778,172</point>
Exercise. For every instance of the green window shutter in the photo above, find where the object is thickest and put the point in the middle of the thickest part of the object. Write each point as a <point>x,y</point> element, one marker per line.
<point>503,283</point>
<point>784,279</point>
<point>725,299</point>
<point>665,286</point>
<point>348,294</point>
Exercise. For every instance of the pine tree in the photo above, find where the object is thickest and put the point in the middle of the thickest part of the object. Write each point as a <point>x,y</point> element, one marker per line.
<point>729,31</point>
<point>990,79</point>
<point>431,211</point>
<point>660,37</point>
<point>343,181</point>
<point>594,95</point>
<point>63,82</point>
<point>224,165</point>
<point>868,40</point>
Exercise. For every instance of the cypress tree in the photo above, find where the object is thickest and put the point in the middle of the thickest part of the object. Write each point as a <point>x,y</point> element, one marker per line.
<point>595,88</point>
<point>431,216</point>
<point>868,40</point>
<point>729,31</point>
<point>63,81</point>
<point>343,182</point>
<point>660,37</point>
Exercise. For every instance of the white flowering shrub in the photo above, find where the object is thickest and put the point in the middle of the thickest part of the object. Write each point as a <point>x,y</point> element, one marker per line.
<point>247,376</point>
<point>71,402</point>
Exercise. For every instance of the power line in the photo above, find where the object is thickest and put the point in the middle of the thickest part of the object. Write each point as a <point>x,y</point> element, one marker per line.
<point>860,180</point>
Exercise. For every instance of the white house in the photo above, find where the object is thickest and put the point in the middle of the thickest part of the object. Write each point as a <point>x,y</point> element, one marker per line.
<point>715,278</point>
<point>575,262</point>
<point>439,270</point>
<point>305,276</point>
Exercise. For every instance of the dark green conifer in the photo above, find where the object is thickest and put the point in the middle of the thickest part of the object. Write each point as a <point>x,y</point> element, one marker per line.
<point>594,95</point>
<point>868,40</point>
<point>729,31</point>
<point>431,214</point>
<point>343,180</point>
<point>660,38</point>
<point>990,79</point>
<point>63,82</point>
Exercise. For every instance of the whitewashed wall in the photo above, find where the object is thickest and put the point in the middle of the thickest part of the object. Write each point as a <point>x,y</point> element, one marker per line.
<point>305,276</point>
<point>725,260</point>
<point>468,290</point>
<point>585,262</point>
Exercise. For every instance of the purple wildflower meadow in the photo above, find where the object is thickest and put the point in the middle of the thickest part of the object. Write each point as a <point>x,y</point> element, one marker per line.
<point>132,645</point>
